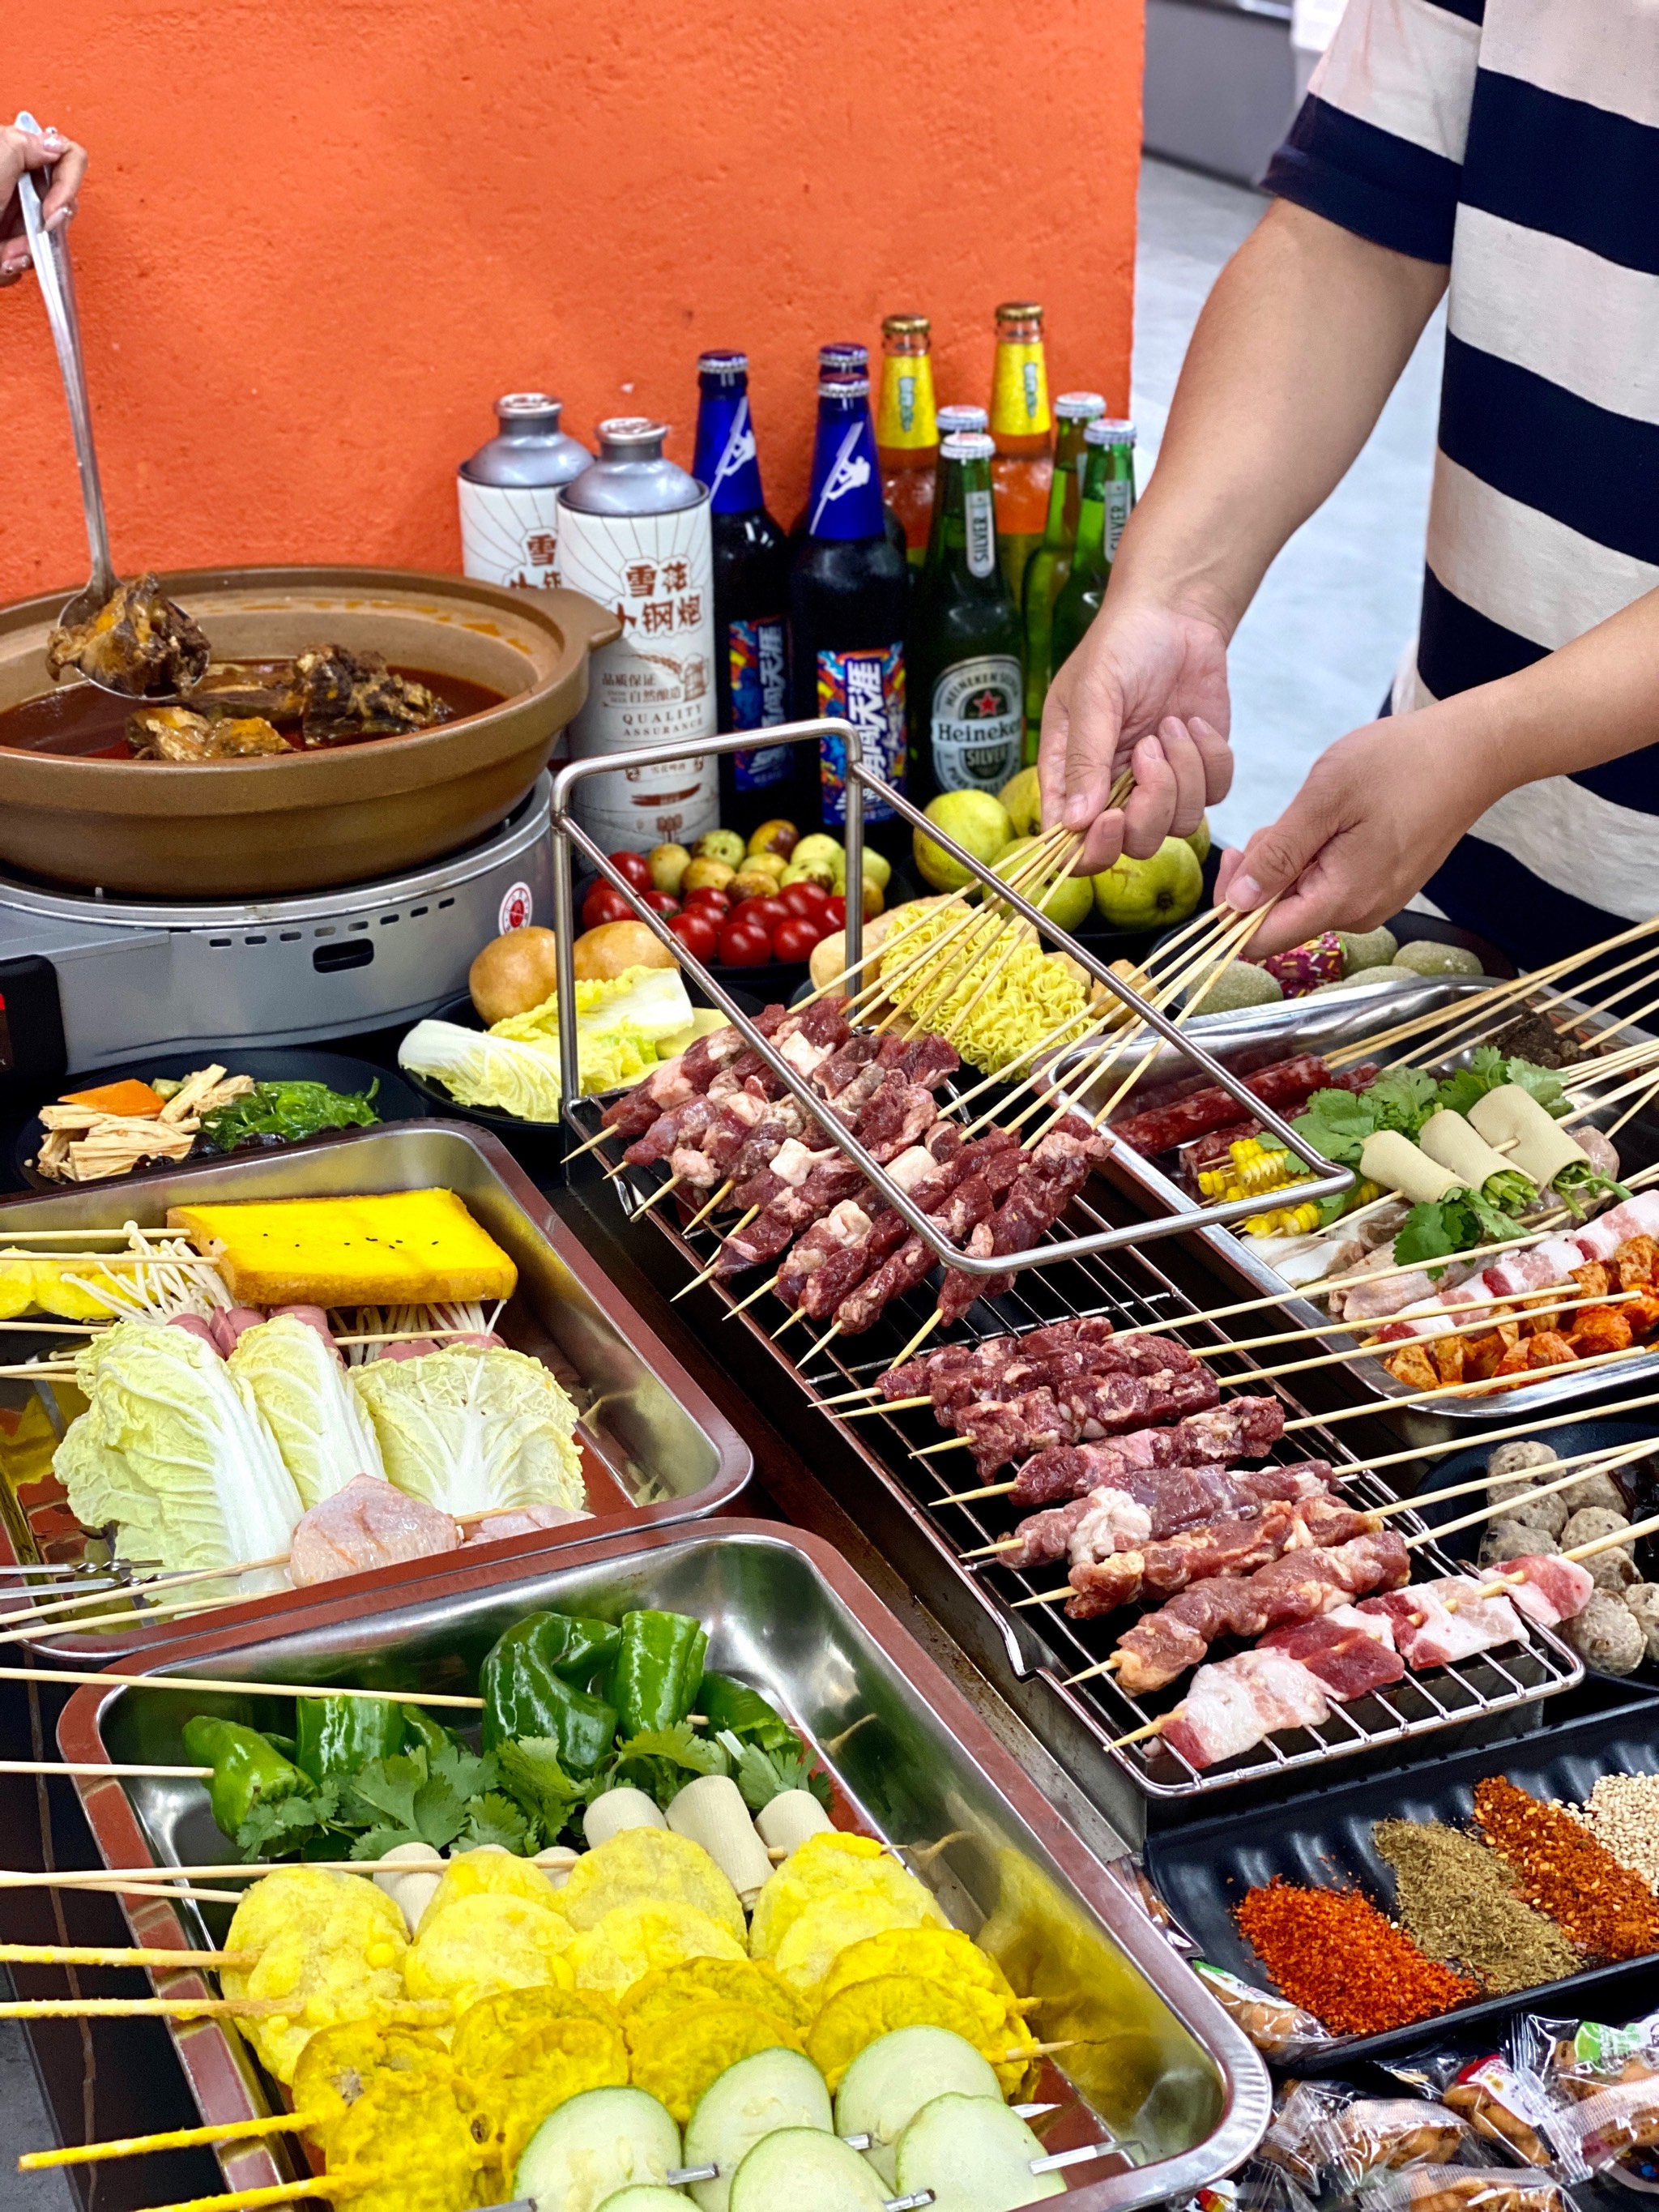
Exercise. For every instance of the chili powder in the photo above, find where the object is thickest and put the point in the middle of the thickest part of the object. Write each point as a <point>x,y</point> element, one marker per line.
<point>1334,1955</point>
<point>1606,1909</point>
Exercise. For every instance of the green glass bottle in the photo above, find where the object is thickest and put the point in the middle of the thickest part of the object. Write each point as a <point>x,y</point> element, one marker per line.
<point>1049,565</point>
<point>1109,494</point>
<point>965,684</point>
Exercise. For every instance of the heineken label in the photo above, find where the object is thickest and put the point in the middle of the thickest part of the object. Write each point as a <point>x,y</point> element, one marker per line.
<point>981,516</point>
<point>509,532</point>
<point>1119,499</point>
<point>977,723</point>
<point>865,689</point>
<point>655,685</point>
<point>759,670</point>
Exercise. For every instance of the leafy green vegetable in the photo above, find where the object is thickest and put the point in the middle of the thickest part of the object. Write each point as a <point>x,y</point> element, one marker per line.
<point>1509,1191</point>
<point>288,1111</point>
<point>1402,1099</point>
<point>1337,1124</point>
<point>1455,1224</point>
<point>659,1760</point>
<point>1582,1187</point>
<point>1488,1070</point>
<point>763,1775</point>
<point>495,1820</point>
<point>277,1826</point>
<point>530,1771</point>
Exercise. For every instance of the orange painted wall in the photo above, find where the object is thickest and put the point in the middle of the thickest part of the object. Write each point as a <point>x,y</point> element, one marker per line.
<point>320,237</point>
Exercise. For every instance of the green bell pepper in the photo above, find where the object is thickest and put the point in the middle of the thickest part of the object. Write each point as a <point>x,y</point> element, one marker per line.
<point>245,1768</point>
<point>526,1694</point>
<point>335,1737</point>
<point>654,1680</point>
<point>727,1703</point>
<point>423,1733</point>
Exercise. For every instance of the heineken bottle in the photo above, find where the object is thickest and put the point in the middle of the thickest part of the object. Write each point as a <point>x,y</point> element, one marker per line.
<point>965,684</point>
<point>1050,565</point>
<point>1109,493</point>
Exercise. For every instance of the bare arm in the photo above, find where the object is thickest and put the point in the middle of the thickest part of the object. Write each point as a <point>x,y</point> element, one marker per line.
<point>1381,809</point>
<point>1298,346</point>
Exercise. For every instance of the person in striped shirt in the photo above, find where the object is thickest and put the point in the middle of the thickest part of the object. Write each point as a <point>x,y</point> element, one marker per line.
<point>1506,154</point>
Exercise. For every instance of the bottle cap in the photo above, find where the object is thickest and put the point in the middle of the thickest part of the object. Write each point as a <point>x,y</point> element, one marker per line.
<point>723,360</point>
<point>844,386</point>
<point>904,327</point>
<point>953,419</point>
<point>1079,406</point>
<point>1104,431</point>
<point>1019,311</point>
<point>967,445</point>
<point>843,359</point>
<point>514,406</point>
<point>628,431</point>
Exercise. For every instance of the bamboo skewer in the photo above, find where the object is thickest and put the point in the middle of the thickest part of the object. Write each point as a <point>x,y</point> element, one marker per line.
<point>220,2131</point>
<point>769,1284</point>
<point>1378,1350</point>
<point>101,1770</point>
<point>709,1207</point>
<point>1411,1452</point>
<point>697,1281</point>
<point>218,1685</point>
<point>657,1196</point>
<point>1524,1477</point>
<point>120,1955</point>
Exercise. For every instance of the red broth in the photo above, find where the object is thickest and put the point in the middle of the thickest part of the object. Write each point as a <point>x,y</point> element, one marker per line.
<point>80,720</point>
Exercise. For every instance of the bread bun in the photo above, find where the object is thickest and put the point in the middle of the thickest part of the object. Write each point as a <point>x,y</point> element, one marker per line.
<point>514,973</point>
<point>603,954</point>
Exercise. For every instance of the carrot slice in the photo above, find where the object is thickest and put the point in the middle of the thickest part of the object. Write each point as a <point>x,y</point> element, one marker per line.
<point>136,1100</point>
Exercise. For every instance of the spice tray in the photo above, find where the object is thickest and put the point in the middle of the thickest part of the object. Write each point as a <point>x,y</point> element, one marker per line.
<point>1324,1025</point>
<point>654,1447</point>
<point>1153,2063</point>
<point>1323,1838</point>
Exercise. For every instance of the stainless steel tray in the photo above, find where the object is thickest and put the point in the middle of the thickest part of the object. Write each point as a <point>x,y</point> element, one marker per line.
<point>1030,1653</point>
<point>654,1447</point>
<point>1155,2065</point>
<point>1322,1024</point>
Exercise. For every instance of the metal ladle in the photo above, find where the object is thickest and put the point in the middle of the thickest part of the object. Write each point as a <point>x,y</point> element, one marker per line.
<point>50,250</point>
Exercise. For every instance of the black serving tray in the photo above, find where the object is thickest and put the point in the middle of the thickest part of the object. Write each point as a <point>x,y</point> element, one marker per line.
<point>1638,1479</point>
<point>1323,1838</point>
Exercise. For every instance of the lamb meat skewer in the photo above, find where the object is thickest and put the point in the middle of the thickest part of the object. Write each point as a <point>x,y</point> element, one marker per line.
<point>1246,1428</point>
<point>1171,1497</point>
<point>1102,1581</point>
<point>1058,1167</point>
<point>1000,1429</point>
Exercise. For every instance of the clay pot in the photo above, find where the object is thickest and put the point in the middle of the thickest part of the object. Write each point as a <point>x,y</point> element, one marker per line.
<point>311,820</point>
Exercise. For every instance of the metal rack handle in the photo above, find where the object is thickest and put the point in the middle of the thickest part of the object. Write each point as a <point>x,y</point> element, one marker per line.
<point>569,834</point>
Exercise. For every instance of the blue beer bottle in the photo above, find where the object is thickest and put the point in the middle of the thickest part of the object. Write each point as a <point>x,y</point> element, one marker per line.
<point>752,596</point>
<point>848,599</point>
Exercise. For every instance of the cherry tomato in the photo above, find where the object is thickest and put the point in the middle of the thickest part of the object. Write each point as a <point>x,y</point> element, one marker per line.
<point>745,943</point>
<point>795,938</point>
<point>603,904</point>
<point>708,900</point>
<point>634,868</point>
<point>697,932</point>
<point>768,912</point>
<point>834,915</point>
<point>659,903</point>
<point>809,901</point>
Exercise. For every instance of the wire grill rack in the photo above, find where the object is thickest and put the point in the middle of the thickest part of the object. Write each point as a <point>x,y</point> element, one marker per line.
<point>1130,1288</point>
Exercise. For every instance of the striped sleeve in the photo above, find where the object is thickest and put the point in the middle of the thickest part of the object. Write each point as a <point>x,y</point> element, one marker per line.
<point>1378,144</point>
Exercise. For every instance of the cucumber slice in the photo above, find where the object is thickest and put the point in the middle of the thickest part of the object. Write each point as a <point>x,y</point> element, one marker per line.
<point>892,2078</point>
<point>596,2144</point>
<point>644,2197</point>
<point>802,2166</point>
<point>751,2099</point>
<point>975,2156</point>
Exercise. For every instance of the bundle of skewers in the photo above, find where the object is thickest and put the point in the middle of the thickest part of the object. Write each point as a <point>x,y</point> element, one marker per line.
<point>737,1142</point>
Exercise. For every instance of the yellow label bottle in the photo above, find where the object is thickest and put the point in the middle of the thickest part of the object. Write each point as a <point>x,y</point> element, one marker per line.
<point>1021,422</point>
<point>907,427</point>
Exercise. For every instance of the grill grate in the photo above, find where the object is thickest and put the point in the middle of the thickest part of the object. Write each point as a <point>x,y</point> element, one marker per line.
<point>1129,1287</point>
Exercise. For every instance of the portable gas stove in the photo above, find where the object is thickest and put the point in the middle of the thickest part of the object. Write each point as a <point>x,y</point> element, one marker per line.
<point>88,981</point>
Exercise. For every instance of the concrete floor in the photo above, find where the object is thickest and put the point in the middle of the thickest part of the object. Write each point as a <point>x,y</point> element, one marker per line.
<point>1315,655</point>
<point>24,2125</point>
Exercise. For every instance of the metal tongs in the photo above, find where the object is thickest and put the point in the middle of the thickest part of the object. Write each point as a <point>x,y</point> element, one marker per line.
<point>50,250</point>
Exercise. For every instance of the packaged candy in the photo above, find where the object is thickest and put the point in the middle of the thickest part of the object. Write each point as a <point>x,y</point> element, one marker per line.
<point>1278,2029</point>
<point>1466,2189</point>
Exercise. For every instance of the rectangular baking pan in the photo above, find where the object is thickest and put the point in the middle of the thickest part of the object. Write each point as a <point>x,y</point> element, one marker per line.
<point>654,1447</point>
<point>1320,1024</point>
<point>1154,2064</point>
<point>1323,1837</point>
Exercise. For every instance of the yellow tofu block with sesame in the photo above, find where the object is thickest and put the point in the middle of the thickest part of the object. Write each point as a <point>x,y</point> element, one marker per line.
<point>400,1248</point>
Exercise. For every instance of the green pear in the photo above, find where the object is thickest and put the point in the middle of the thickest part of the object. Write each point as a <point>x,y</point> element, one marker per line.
<point>976,821</point>
<point>1153,894</point>
<point>1068,904</point>
<point>1021,801</point>
<point>1198,839</point>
